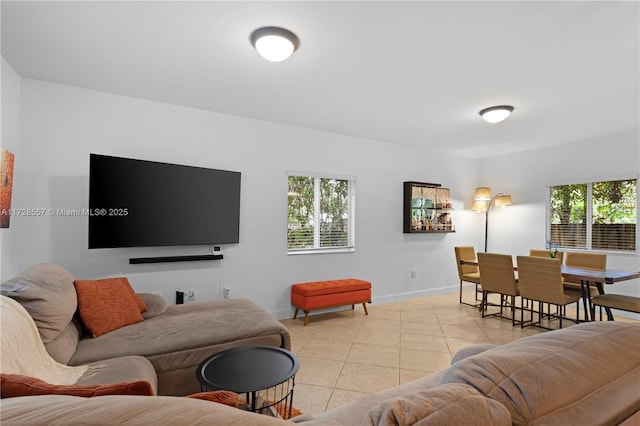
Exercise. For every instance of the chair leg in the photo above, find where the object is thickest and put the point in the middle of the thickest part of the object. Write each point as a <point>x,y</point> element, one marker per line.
<point>584,292</point>
<point>540,312</point>
<point>483,304</point>
<point>600,313</point>
<point>561,320</point>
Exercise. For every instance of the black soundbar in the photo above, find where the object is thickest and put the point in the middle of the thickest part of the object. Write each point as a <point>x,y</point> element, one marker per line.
<point>190,258</point>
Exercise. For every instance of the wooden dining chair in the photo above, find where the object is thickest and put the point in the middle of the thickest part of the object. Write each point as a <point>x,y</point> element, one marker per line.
<point>545,253</point>
<point>468,273</point>
<point>616,301</point>
<point>585,260</point>
<point>540,280</point>
<point>497,276</point>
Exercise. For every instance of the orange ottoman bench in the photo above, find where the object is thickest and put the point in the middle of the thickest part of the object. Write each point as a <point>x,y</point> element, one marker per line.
<point>329,294</point>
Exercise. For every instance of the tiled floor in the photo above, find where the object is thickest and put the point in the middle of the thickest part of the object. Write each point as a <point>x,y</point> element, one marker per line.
<point>345,355</point>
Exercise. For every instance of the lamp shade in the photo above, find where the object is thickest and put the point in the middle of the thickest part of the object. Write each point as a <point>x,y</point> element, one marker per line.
<point>496,114</point>
<point>275,44</point>
<point>503,200</point>
<point>479,206</point>
<point>482,194</point>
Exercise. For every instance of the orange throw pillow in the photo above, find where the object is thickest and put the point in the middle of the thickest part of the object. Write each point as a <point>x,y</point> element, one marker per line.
<point>106,305</point>
<point>143,306</point>
<point>13,385</point>
<point>222,397</point>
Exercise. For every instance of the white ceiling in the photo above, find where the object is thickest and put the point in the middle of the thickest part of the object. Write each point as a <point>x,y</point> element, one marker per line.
<point>413,73</point>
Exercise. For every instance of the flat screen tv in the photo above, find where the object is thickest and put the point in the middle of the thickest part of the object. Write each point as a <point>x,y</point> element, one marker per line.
<point>137,203</point>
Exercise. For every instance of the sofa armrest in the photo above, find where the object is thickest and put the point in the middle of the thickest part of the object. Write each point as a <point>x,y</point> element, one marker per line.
<point>156,304</point>
<point>471,350</point>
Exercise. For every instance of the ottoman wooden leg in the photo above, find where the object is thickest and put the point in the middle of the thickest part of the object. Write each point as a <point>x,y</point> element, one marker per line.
<point>364,305</point>
<point>295,314</point>
<point>306,318</point>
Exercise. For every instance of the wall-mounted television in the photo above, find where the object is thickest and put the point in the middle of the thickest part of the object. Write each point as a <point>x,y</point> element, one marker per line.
<point>138,203</point>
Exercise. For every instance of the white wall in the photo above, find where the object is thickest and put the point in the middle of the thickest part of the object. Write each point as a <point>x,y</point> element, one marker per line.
<point>527,176</point>
<point>61,125</point>
<point>10,134</point>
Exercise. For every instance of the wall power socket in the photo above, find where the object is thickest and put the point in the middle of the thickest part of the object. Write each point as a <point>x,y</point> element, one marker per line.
<point>226,292</point>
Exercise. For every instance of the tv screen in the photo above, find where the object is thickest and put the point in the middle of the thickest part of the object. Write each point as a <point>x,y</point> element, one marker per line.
<point>136,203</point>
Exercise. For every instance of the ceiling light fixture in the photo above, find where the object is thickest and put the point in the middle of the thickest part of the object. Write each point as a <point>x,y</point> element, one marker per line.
<point>275,44</point>
<point>496,114</point>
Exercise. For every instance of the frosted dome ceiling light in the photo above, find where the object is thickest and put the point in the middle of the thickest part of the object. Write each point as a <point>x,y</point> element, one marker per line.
<point>275,44</point>
<point>496,114</point>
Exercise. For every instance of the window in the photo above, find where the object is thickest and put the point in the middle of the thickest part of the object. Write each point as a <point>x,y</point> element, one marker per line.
<point>321,213</point>
<point>594,216</point>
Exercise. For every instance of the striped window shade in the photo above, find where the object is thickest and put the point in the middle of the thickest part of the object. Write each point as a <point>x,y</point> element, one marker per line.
<point>321,213</point>
<point>594,216</point>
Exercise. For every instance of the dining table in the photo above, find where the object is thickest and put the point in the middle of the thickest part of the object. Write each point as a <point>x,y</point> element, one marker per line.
<point>587,277</point>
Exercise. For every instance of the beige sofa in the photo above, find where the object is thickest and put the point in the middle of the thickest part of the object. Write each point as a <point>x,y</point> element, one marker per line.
<point>164,349</point>
<point>586,374</point>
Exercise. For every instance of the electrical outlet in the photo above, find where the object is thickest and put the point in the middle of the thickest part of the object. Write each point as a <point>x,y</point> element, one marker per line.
<point>226,292</point>
<point>191,295</point>
<point>414,274</point>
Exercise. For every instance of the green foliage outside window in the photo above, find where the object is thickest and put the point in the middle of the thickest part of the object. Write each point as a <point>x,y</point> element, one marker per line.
<point>319,213</point>
<point>614,202</point>
<point>600,215</point>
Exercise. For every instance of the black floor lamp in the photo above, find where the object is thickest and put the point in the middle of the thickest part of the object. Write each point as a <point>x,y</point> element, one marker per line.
<point>483,202</point>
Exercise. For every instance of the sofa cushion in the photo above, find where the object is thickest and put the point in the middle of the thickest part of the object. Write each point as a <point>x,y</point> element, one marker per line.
<point>46,291</point>
<point>356,410</point>
<point>583,374</point>
<point>453,404</point>
<point>156,305</point>
<point>130,410</point>
<point>64,346</point>
<point>131,368</point>
<point>471,350</point>
<point>106,305</point>
<point>13,385</point>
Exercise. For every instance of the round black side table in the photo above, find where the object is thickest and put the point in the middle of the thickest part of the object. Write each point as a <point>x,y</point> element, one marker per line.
<point>266,374</point>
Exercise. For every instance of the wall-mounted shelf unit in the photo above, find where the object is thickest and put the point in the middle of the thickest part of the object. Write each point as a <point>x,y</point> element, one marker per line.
<point>426,208</point>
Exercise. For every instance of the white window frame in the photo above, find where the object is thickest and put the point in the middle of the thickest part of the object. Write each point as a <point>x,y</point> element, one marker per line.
<point>589,213</point>
<point>351,245</point>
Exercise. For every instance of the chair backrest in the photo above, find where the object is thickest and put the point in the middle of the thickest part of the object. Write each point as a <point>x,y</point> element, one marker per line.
<point>465,253</point>
<point>587,260</point>
<point>496,273</point>
<point>545,253</point>
<point>540,279</point>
